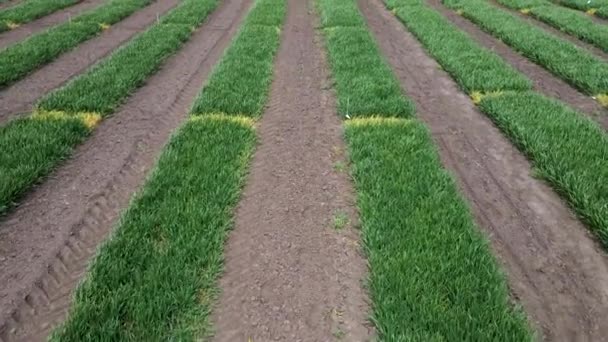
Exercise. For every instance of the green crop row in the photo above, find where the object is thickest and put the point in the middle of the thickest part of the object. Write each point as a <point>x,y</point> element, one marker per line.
<point>569,150</point>
<point>29,10</point>
<point>72,111</point>
<point>578,67</point>
<point>176,227</point>
<point>417,230</point>
<point>567,20</point>
<point>18,60</point>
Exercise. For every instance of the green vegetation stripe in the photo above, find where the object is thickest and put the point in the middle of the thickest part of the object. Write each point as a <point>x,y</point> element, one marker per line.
<point>364,82</point>
<point>154,279</point>
<point>417,230</point>
<point>86,99</point>
<point>239,84</point>
<point>568,150</point>
<point>564,59</point>
<point>475,68</point>
<point>583,5</point>
<point>432,277</point>
<point>29,10</point>
<point>570,21</point>
<point>18,60</point>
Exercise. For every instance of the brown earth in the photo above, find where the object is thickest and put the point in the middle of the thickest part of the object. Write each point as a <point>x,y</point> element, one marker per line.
<point>289,275</point>
<point>9,3</point>
<point>35,26</point>
<point>46,242</point>
<point>19,98</point>
<point>550,29</point>
<point>544,82</point>
<point>555,269</point>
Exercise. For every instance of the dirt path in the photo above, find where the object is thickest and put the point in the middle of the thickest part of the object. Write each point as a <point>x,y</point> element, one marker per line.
<point>33,27</point>
<point>46,242</point>
<point>290,276</point>
<point>9,3</point>
<point>543,80</point>
<point>550,29</point>
<point>555,269</point>
<point>19,98</point>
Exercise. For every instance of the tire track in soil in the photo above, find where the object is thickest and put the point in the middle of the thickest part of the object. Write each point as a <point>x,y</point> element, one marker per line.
<point>19,98</point>
<point>544,81</point>
<point>289,275</point>
<point>555,268</point>
<point>552,30</point>
<point>47,242</point>
<point>25,30</point>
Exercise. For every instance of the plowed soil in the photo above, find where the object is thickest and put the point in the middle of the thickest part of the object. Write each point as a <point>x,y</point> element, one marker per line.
<point>554,267</point>
<point>290,276</point>
<point>47,242</point>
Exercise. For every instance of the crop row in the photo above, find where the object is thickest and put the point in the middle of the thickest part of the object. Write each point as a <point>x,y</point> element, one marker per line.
<point>34,145</point>
<point>576,66</point>
<point>18,60</point>
<point>567,20</point>
<point>567,149</point>
<point>416,228</point>
<point>29,10</point>
<point>597,7</point>
<point>155,279</point>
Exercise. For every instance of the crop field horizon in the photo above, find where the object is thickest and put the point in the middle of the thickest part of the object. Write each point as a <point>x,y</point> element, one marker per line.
<point>318,170</point>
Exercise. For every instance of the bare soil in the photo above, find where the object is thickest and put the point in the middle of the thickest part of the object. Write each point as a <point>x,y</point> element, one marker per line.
<point>555,269</point>
<point>35,26</point>
<point>289,275</point>
<point>9,3</point>
<point>20,98</point>
<point>47,242</point>
<point>550,29</point>
<point>543,80</point>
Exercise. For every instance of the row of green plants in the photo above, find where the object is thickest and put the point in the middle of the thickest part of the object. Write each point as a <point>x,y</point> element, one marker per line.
<point>432,274</point>
<point>155,279</point>
<point>567,149</point>
<point>592,7</point>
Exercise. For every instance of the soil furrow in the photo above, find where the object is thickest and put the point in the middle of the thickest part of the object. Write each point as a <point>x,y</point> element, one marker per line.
<point>555,268</point>
<point>543,80</point>
<point>550,29</point>
<point>289,275</point>
<point>19,98</point>
<point>46,243</point>
<point>33,27</point>
<point>9,3</point>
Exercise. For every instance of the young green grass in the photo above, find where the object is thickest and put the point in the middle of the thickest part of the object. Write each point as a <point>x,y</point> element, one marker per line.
<point>98,92</point>
<point>29,10</point>
<point>340,220</point>
<point>432,275</point>
<point>239,84</point>
<point>477,69</point>
<point>569,150</point>
<point>18,60</point>
<point>570,21</point>
<point>583,5</point>
<point>576,66</point>
<point>154,280</point>
<point>176,227</point>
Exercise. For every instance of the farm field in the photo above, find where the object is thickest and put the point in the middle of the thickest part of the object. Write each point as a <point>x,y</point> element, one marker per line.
<point>315,170</point>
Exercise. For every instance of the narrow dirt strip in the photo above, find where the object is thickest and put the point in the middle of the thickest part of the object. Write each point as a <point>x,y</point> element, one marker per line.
<point>555,269</point>
<point>33,27</point>
<point>9,3</point>
<point>19,98</point>
<point>543,80</point>
<point>46,243</point>
<point>563,35</point>
<point>289,274</point>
